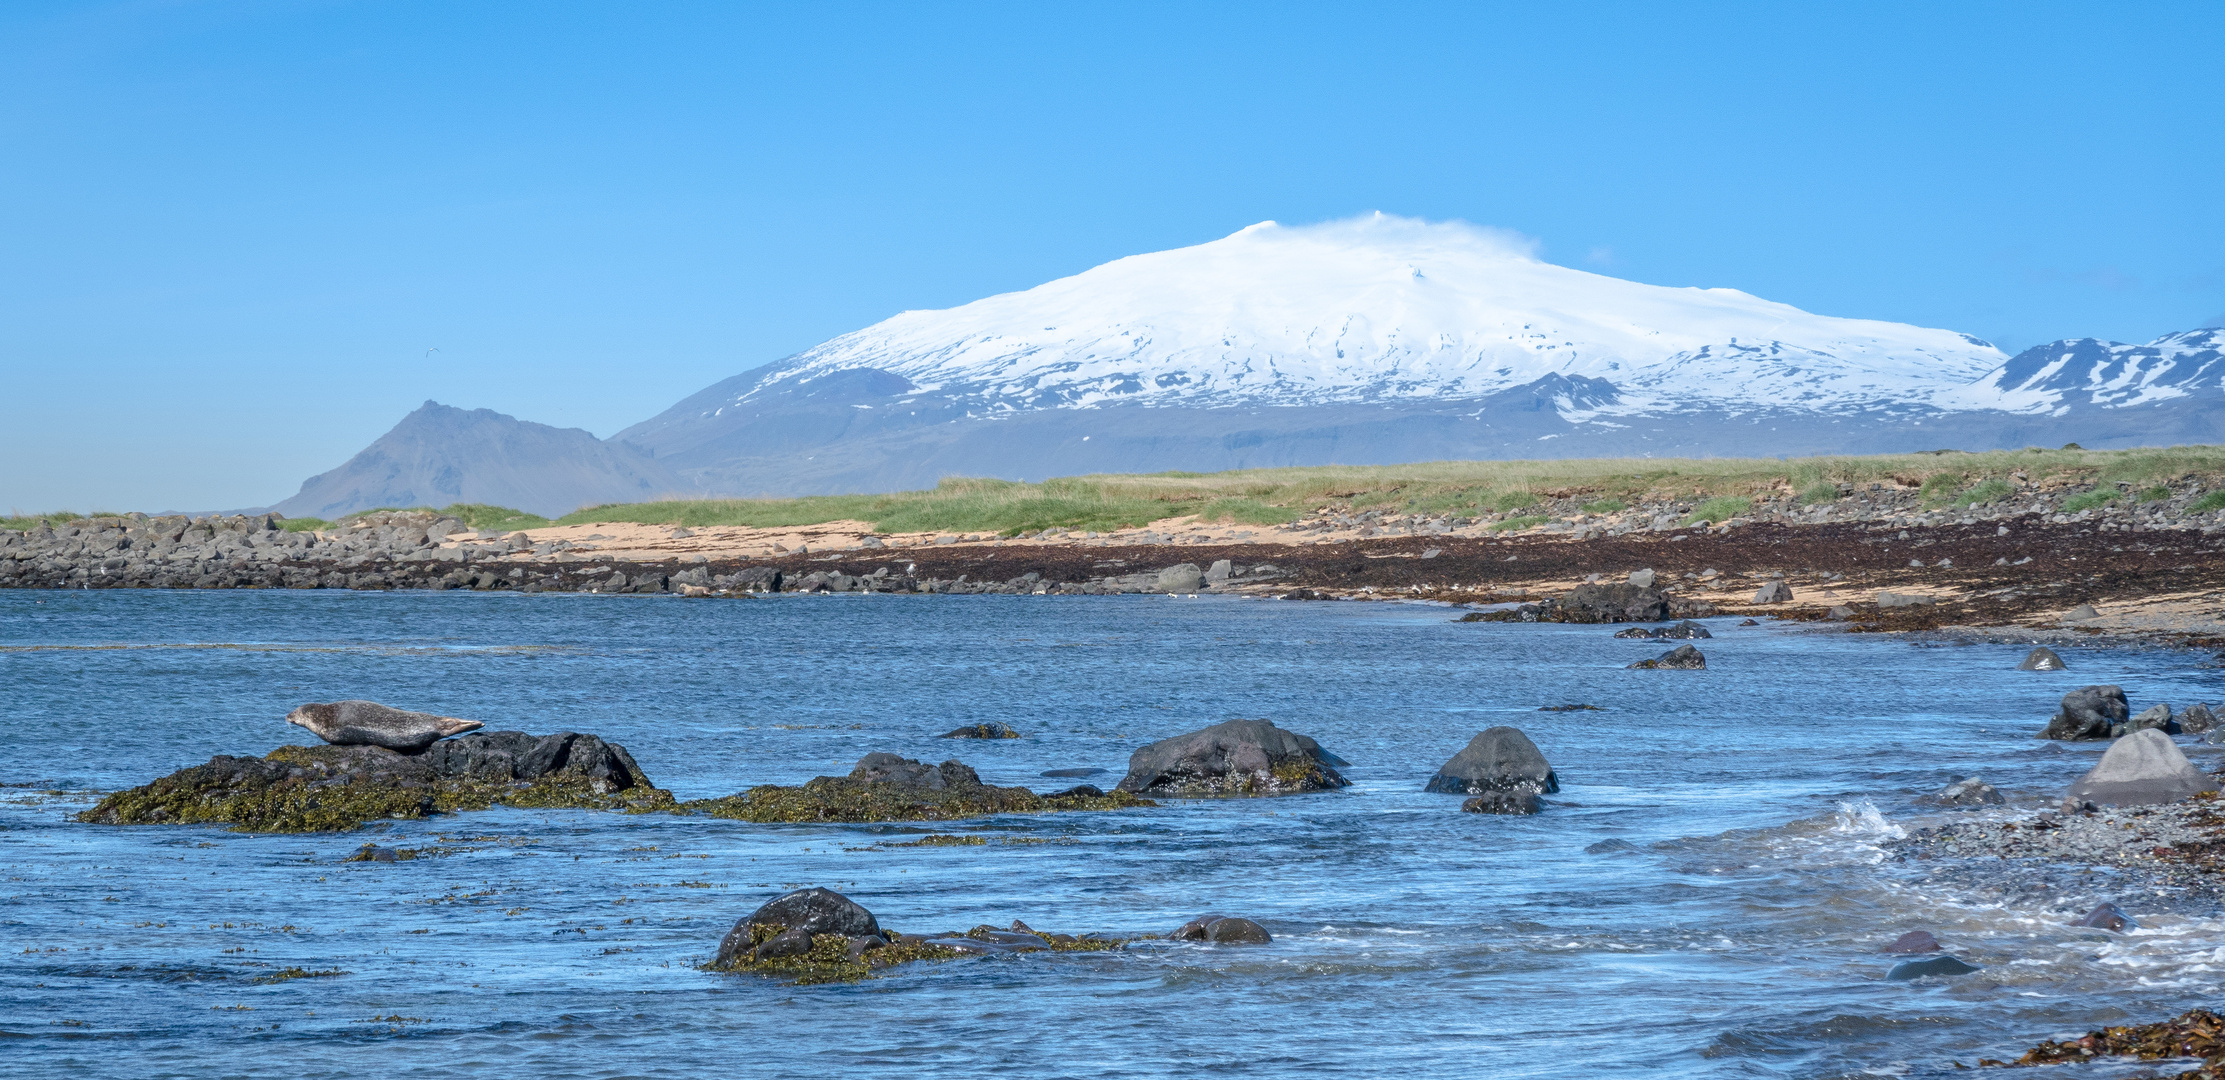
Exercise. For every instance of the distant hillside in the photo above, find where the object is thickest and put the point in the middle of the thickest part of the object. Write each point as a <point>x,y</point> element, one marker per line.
<point>440,455</point>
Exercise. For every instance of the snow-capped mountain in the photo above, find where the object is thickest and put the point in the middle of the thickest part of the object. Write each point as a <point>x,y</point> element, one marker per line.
<point>2062,375</point>
<point>1385,309</point>
<point>1370,341</point>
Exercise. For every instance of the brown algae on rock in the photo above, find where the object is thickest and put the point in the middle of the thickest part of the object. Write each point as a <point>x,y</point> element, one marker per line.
<point>835,958</point>
<point>844,799</point>
<point>297,789</point>
<point>2196,1034</point>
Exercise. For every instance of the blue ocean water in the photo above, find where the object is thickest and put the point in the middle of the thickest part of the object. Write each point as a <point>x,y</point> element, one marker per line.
<point>1737,934</point>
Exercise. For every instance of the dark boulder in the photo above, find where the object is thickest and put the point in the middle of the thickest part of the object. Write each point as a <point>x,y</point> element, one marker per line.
<point>1936,967</point>
<point>1607,604</point>
<point>1239,757</point>
<point>1223,930</point>
<point>2108,917</point>
<point>989,730</point>
<point>2042,659</point>
<point>2142,768</point>
<point>2197,719</point>
<point>1686,630</point>
<point>2156,716</point>
<point>1681,658</point>
<point>1914,941</point>
<point>2088,712</point>
<point>1499,759</point>
<point>886,768</point>
<point>514,756</point>
<point>756,579</point>
<point>790,916</point>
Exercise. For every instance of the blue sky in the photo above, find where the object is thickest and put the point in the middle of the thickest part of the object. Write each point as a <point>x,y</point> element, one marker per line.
<point>233,230</point>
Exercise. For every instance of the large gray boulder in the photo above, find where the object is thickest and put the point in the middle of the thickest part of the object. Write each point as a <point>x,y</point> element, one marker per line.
<point>2142,768</point>
<point>2041,659</point>
<point>1186,578</point>
<point>792,916</point>
<point>1774,592</point>
<point>1239,757</point>
<point>1967,792</point>
<point>2088,712</point>
<point>886,768</point>
<point>1498,759</point>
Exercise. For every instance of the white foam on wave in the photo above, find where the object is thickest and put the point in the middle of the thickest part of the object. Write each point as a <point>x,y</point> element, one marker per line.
<point>1863,821</point>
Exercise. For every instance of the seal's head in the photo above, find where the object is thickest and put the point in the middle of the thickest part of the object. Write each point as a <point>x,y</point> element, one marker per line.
<point>321,720</point>
<point>449,725</point>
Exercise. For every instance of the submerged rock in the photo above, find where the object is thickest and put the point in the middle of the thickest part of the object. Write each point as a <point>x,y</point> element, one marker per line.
<point>1503,802</point>
<point>2108,917</point>
<point>990,730</point>
<point>2042,659</point>
<point>1681,658</point>
<point>1238,757</point>
<point>1914,941</point>
<point>1967,792</point>
<point>1499,759</point>
<point>1221,929</point>
<point>2141,768</point>
<point>1610,846</point>
<point>2088,712</point>
<point>1935,967</point>
<point>886,787</point>
<point>337,788</point>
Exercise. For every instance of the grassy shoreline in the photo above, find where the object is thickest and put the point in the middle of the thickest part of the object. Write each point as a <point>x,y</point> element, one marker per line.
<point>1723,487</point>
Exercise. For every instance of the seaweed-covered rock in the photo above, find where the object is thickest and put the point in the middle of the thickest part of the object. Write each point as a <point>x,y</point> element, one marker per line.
<point>2141,768</point>
<point>2196,1034</point>
<point>336,788</point>
<point>989,730</point>
<point>805,912</point>
<point>1238,757</point>
<point>885,787</point>
<point>1681,658</point>
<point>1936,967</point>
<point>1499,759</point>
<point>2088,712</point>
<point>2041,659</point>
<point>1606,604</point>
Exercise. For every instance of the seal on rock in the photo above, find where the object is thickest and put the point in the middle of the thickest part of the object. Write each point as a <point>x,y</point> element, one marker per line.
<point>368,723</point>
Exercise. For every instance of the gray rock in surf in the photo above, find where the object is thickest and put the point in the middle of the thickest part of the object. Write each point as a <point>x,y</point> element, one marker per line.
<point>798,915</point>
<point>2042,659</point>
<point>2142,768</point>
<point>1968,792</point>
<point>2088,712</point>
<point>1223,930</point>
<point>368,723</point>
<point>2197,719</point>
<point>1681,658</point>
<point>1499,759</point>
<point>2154,716</point>
<point>1238,757</point>
<point>2109,917</point>
<point>886,768</point>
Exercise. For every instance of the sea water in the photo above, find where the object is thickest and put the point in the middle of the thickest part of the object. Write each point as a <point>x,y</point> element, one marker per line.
<point>1734,931</point>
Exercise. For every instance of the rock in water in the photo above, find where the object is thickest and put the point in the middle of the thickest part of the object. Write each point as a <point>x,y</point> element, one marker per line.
<point>886,768</point>
<point>368,723</point>
<point>2109,917</point>
<point>2197,719</point>
<point>792,916</point>
<point>1934,967</point>
<point>1681,658</point>
<point>1499,759</point>
<point>1239,757</point>
<point>1686,631</point>
<point>2142,768</point>
<point>1607,604</point>
<point>1222,930</point>
<point>2154,716</point>
<point>1914,941</point>
<point>1503,802</point>
<point>989,730</point>
<point>1775,592</point>
<point>2042,659</point>
<point>1968,792</point>
<point>1185,578</point>
<point>2088,712</point>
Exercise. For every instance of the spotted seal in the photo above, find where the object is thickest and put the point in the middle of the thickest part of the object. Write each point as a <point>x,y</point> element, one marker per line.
<point>368,723</point>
